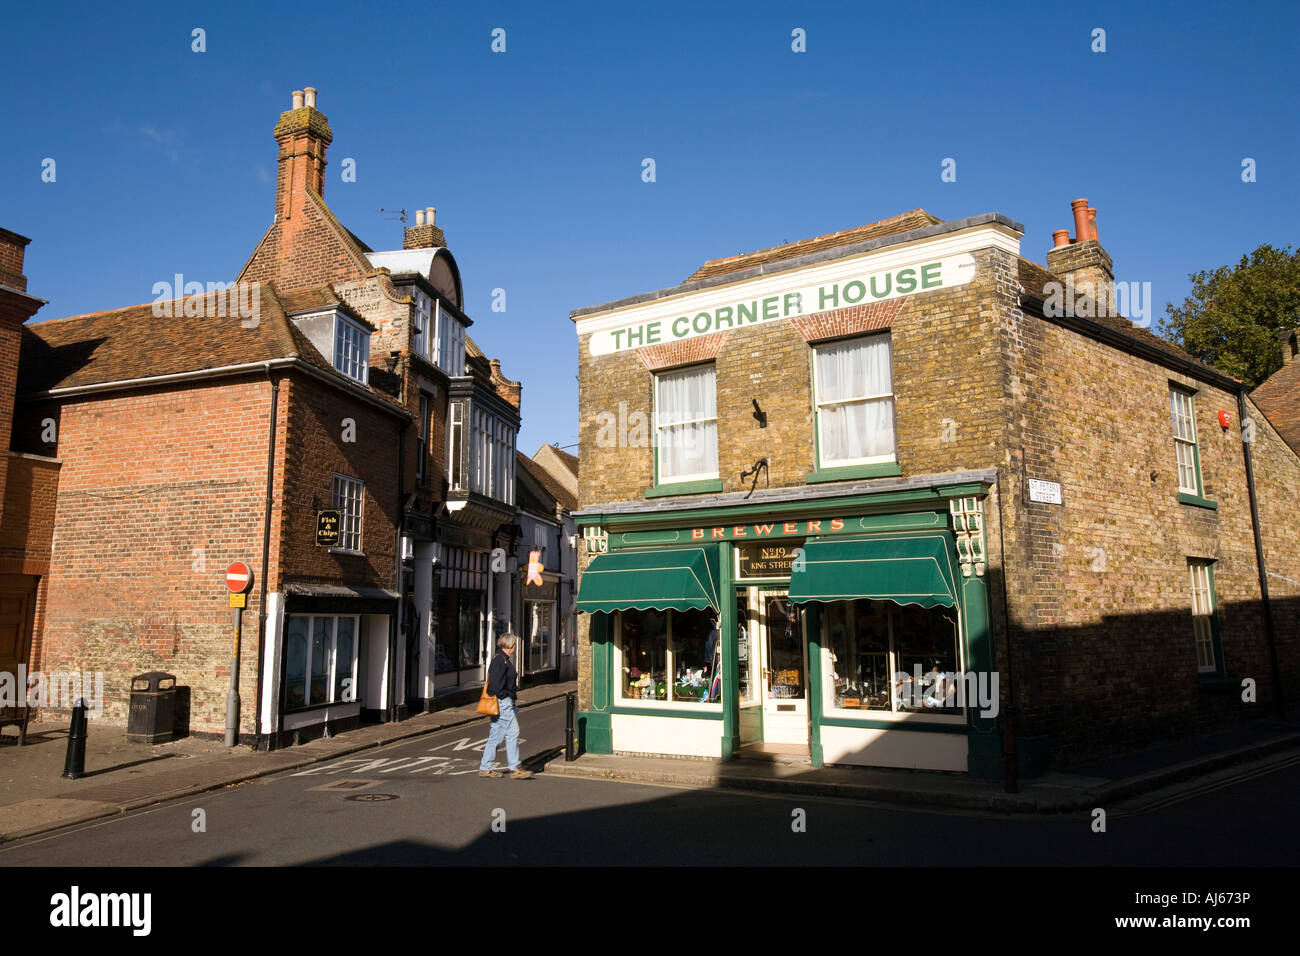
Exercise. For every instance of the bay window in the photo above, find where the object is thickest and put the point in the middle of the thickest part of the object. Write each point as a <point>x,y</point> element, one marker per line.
<point>686,424</point>
<point>854,396</point>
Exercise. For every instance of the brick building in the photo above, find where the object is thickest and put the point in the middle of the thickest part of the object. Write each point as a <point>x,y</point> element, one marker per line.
<point>28,484</point>
<point>914,499</point>
<point>220,425</point>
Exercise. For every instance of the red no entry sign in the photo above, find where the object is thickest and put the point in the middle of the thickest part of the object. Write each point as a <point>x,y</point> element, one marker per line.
<point>239,577</point>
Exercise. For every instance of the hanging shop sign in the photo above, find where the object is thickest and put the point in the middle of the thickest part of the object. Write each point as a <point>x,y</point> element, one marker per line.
<point>716,312</point>
<point>766,560</point>
<point>327,528</point>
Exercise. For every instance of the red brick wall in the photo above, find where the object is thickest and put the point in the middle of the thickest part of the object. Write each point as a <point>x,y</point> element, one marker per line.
<point>159,492</point>
<point>316,451</point>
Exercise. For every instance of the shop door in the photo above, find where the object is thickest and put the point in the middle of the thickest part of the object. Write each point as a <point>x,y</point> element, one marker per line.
<point>15,629</point>
<point>747,666</point>
<point>784,683</point>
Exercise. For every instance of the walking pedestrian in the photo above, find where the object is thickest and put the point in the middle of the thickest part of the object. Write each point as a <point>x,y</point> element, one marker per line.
<point>502,684</point>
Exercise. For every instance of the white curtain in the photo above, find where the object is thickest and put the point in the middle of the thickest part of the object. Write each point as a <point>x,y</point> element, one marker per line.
<point>855,429</point>
<point>687,445</point>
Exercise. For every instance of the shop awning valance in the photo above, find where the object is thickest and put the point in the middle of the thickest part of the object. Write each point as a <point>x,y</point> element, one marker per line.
<point>659,579</point>
<point>906,569</point>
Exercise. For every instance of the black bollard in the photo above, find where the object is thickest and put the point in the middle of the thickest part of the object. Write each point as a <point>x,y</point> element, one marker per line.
<point>75,766</point>
<point>570,706</point>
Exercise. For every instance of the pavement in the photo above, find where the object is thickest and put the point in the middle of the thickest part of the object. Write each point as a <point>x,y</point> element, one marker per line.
<point>1201,759</point>
<point>120,776</point>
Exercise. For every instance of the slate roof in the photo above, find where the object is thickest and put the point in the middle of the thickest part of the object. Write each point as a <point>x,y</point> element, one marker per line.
<point>912,219</point>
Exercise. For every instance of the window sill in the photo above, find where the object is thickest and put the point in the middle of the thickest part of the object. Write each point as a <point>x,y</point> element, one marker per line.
<point>883,470</point>
<point>684,488</point>
<point>1197,501</point>
<point>347,551</point>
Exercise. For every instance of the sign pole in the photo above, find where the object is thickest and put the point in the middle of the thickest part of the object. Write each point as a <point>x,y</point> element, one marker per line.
<point>232,698</point>
<point>239,581</point>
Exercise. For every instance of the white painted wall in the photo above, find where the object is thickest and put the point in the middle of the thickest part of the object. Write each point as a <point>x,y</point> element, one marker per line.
<point>869,747</point>
<point>667,735</point>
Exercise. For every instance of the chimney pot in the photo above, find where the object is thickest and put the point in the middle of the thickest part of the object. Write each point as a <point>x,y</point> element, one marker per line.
<point>1092,224</point>
<point>1061,237</point>
<point>310,92</point>
<point>428,214</point>
<point>297,99</point>
<point>1080,209</point>
<point>419,217</point>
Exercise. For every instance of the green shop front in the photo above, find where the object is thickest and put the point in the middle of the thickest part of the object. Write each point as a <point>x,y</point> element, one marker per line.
<point>851,626</point>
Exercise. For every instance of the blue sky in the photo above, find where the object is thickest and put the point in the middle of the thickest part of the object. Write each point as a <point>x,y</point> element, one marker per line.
<point>165,161</point>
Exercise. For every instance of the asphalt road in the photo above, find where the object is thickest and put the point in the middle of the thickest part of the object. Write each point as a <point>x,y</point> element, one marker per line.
<point>421,802</point>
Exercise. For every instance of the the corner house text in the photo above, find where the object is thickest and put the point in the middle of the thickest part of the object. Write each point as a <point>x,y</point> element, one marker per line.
<point>712,312</point>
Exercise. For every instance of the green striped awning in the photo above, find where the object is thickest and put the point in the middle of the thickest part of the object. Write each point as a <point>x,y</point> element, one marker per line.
<point>677,578</point>
<point>906,569</point>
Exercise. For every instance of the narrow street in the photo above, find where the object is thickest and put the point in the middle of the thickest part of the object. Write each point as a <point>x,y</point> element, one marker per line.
<point>422,803</point>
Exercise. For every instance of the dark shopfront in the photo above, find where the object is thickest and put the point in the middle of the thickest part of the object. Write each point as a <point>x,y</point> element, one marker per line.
<point>854,628</point>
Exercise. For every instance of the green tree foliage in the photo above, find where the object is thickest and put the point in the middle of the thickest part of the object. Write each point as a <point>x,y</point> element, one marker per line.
<point>1234,316</point>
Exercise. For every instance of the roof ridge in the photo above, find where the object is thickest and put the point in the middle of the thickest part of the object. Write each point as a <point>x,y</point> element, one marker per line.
<point>350,241</point>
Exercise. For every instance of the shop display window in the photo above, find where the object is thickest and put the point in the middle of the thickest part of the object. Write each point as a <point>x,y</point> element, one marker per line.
<point>670,655</point>
<point>875,650</point>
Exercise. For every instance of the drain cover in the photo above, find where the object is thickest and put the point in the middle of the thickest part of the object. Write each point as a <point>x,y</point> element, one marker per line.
<point>371,797</point>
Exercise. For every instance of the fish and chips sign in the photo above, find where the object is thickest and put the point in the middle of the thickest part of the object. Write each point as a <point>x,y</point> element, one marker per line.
<point>715,315</point>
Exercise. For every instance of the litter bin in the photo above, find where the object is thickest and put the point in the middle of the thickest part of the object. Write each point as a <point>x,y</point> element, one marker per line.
<point>153,700</point>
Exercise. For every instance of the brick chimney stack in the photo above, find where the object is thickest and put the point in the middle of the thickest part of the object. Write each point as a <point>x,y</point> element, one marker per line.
<point>1082,261</point>
<point>424,234</point>
<point>13,248</point>
<point>303,134</point>
<point>1290,340</point>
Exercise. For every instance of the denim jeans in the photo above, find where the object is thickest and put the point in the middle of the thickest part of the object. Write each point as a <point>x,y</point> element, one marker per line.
<point>504,725</point>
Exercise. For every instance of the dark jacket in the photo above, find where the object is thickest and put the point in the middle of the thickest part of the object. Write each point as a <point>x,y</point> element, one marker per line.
<point>502,676</point>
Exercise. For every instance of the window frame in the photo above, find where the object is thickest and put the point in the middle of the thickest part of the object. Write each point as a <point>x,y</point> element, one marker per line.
<point>423,436</point>
<point>341,484</point>
<point>1205,635</point>
<point>332,670</point>
<point>349,332</point>
<point>824,465</point>
<point>659,376</point>
<point>957,716</point>
<point>455,446</point>
<point>1193,443</point>
<point>421,324</point>
<point>680,707</point>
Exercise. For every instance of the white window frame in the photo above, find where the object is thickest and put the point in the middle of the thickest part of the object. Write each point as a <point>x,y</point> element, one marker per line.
<point>1203,612</point>
<point>331,656</point>
<point>456,470</point>
<point>349,492</point>
<point>421,324</point>
<point>818,404</point>
<point>351,349</point>
<point>660,377</point>
<point>1182,414</point>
